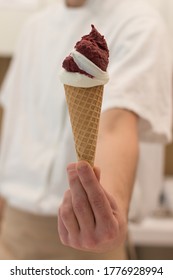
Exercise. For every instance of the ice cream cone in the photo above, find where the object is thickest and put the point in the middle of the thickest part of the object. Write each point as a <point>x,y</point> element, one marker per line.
<point>84,105</point>
<point>84,74</point>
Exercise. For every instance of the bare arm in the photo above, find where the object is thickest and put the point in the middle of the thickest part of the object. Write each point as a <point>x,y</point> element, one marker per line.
<point>117,154</point>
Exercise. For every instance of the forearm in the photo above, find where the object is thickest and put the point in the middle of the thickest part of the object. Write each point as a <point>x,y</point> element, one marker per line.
<point>117,154</point>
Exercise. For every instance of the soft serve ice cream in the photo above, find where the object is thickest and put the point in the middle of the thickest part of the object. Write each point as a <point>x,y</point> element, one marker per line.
<point>87,64</point>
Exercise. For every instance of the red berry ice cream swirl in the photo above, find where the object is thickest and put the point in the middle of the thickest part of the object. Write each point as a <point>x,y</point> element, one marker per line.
<point>87,64</point>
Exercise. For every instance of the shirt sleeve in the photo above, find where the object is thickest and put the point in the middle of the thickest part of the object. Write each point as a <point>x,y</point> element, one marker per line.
<point>141,76</point>
<point>19,67</point>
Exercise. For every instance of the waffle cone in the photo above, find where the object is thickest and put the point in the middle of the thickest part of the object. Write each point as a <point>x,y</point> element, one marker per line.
<point>84,105</point>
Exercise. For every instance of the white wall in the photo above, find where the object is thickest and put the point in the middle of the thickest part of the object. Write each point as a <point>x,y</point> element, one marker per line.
<point>11,22</point>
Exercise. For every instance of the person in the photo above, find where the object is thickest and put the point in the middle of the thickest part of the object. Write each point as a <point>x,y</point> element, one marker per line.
<point>37,142</point>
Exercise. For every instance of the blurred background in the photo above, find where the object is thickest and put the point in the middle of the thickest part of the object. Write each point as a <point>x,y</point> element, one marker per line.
<point>151,238</point>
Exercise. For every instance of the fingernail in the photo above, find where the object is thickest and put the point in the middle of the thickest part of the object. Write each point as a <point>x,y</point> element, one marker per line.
<point>82,166</point>
<point>71,167</point>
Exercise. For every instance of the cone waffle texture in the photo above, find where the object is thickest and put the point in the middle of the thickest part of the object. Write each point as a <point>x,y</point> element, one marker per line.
<point>84,105</point>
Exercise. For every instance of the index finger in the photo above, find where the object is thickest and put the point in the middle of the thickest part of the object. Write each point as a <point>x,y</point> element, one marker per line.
<point>96,196</point>
<point>80,202</point>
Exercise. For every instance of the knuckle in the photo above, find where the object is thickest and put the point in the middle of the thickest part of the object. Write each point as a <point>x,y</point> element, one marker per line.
<point>97,201</point>
<point>90,242</point>
<point>109,233</point>
<point>65,212</point>
<point>88,180</point>
<point>80,205</point>
<point>75,243</point>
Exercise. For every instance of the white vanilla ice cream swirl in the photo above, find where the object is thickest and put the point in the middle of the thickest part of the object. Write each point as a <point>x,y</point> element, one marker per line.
<point>76,79</point>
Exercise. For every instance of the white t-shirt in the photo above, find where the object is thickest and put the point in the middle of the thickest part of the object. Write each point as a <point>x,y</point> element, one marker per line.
<point>37,142</point>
